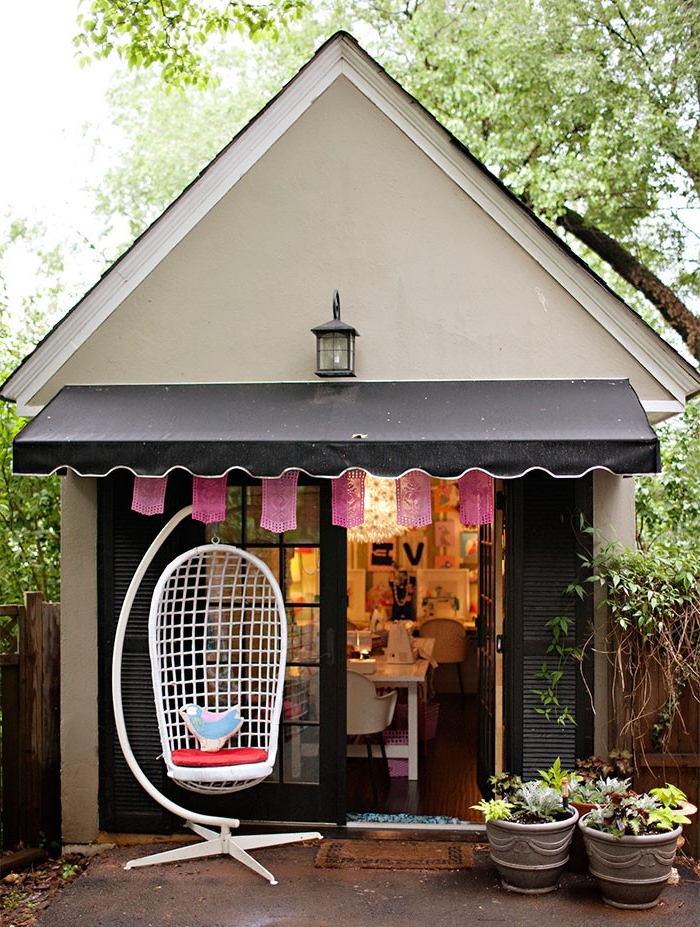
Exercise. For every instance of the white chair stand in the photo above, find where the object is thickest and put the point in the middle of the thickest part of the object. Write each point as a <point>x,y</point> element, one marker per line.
<point>368,716</point>
<point>218,644</point>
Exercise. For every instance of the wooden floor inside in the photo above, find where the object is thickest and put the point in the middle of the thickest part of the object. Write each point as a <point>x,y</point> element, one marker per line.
<point>446,783</point>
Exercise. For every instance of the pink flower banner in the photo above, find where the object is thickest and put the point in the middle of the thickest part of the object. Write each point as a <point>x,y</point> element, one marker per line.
<point>476,498</point>
<point>413,500</point>
<point>348,492</point>
<point>279,502</point>
<point>149,494</point>
<point>209,498</point>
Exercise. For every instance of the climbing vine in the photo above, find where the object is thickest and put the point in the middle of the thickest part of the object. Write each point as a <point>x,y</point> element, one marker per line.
<point>653,642</point>
<point>552,671</point>
<point>654,639</point>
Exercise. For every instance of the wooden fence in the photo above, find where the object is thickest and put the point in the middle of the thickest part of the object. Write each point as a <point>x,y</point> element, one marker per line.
<point>30,791</point>
<point>680,763</point>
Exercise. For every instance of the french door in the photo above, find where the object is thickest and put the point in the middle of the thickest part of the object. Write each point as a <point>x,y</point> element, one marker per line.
<point>486,656</point>
<point>308,783</point>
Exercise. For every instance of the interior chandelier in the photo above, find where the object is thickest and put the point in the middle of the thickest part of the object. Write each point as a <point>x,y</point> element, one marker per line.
<point>380,522</point>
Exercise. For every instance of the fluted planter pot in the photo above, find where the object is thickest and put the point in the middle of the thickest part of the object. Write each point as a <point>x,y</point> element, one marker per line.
<point>530,857</point>
<point>630,872</point>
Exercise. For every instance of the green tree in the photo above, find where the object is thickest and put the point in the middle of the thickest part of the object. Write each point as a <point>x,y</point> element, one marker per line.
<point>169,33</point>
<point>29,506</point>
<point>668,505</point>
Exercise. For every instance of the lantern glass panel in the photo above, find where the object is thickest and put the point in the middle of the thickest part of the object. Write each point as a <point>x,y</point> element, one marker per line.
<point>335,354</point>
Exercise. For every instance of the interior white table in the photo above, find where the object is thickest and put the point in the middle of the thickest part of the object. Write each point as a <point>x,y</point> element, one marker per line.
<point>407,676</point>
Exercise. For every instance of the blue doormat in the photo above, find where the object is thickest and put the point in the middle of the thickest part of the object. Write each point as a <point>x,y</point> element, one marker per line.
<point>371,818</point>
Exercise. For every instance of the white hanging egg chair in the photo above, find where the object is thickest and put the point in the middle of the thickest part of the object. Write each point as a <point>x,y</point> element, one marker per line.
<point>217,637</point>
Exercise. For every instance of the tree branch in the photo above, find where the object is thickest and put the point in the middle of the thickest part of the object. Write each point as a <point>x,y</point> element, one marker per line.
<point>675,312</point>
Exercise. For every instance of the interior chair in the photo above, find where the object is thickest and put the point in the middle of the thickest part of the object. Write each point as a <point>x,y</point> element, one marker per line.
<point>217,635</point>
<point>368,716</point>
<point>451,643</point>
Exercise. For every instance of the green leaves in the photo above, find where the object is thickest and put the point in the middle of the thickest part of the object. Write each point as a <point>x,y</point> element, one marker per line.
<point>169,34</point>
<point>646,589</point>
<point>632,814</point>
<point>553,672</point>
<point>533,802</point>
<point>668,505</point>
<point>556,777</point>
<point>494,809</point>
<point>29,506</point>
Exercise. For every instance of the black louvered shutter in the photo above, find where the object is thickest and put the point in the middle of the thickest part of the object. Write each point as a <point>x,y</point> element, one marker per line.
<point>544,542</point>
<point>124,537</point>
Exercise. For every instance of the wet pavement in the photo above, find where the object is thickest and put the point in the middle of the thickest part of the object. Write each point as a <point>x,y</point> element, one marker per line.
<point>219,892</point>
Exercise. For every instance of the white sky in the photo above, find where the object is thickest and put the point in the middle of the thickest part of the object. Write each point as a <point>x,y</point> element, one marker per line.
<point>47,155</point>
<point>46,100</point>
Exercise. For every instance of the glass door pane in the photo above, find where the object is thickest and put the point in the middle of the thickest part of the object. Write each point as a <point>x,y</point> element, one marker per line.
<point>308,732</point>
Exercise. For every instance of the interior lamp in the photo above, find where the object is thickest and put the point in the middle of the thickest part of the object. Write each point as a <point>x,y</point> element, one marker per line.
<point>335,345</point>
<point>380,522</point>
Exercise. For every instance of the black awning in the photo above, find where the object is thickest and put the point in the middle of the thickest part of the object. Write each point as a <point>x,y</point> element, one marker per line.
<point>505,427</point>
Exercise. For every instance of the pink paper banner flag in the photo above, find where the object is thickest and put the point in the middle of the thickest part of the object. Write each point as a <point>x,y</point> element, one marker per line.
<point>413,501</point>
<point>279,503</point>
<point>209,498</point>
<point>149,494</point>
<point>476,498</point>
<point>348,492</point>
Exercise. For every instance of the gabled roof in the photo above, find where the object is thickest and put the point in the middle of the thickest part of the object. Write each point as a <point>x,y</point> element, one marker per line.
<point>342,56</point>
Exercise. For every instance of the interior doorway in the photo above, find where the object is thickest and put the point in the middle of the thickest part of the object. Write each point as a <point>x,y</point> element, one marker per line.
<point>420,575</point>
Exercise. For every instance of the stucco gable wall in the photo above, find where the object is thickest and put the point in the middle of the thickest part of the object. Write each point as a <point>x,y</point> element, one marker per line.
<point>345,200</point>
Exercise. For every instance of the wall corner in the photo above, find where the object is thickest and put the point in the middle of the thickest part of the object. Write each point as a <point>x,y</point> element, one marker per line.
<point>79,664</point>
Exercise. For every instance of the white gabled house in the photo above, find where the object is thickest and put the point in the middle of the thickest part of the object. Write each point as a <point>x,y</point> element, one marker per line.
<point>485,343</point>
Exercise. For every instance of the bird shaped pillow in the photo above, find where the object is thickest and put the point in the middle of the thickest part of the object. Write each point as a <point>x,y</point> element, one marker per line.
<point>212,729</point>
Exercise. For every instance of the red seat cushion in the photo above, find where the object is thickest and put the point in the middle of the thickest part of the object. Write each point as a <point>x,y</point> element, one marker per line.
<point>237,756</point>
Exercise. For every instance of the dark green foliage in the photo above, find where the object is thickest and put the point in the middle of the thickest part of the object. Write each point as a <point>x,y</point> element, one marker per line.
<point>29,506</point>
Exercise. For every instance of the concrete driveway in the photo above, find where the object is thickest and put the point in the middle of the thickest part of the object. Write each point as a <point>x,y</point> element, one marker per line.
<point>221,893</point>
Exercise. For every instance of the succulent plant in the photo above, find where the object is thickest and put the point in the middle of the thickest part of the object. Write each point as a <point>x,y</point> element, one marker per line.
<point>593,791</point>
<point>533,802</point>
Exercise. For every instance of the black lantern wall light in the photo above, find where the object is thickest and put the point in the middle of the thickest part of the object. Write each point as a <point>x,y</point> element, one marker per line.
<point>335,345</point>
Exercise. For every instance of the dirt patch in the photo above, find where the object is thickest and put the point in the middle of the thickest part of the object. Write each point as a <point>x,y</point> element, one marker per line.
<point>25,893</point>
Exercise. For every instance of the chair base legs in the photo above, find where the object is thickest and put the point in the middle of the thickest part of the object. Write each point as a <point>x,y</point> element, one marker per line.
<point>461,681</point>
<point>385,763</point>
<point>222,844</point>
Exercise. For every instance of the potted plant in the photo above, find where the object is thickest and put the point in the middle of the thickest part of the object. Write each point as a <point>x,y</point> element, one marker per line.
<point>593,782</point>
<point>617,764</point>
<point>529,826</point>
<point>631,842</point>
<point>673,797</point>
